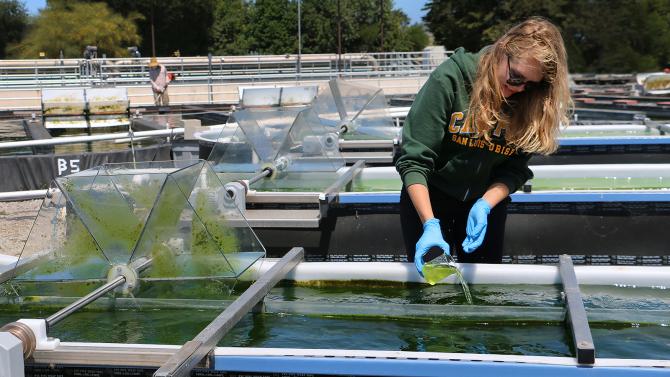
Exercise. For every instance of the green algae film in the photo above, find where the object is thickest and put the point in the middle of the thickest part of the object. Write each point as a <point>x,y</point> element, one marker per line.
<point>288,331</point>
<point>143,322</point>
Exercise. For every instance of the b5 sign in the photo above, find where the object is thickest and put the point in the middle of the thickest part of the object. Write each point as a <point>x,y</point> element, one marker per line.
<point>66,166</point>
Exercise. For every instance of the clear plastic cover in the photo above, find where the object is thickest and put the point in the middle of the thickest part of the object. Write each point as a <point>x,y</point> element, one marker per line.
<point>256,139</point>
<point>63,102</point>
<point>355,111</point>
<point>301,151</point>
<point>170,213</point>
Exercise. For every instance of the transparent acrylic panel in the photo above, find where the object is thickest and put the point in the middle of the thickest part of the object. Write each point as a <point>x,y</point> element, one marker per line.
<point>253,142</point>
<point>326,108</point>
<point>190,234</point>
<point>355,111</point>
<point>59,247</point>
<point>184,229</point>
<point>304,156</point>
<point>163,231</point>
<point>225,226</point>
<point>308,159</point>
<point>309,147</point>
<point>113,204</point>
<point>374,120</point>
<point>63,101</point>
<point>266,130</point>
<point>232,153</point>
<point>354,97</point>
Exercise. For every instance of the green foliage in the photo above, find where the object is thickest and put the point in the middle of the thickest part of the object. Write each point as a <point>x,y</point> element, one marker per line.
<point>319,26</point>
<point>271,27</point>
<point>225,27</point>
<point>178,24</point>
<point>417,37</point>
<point>629,36</point>
<point>13,22</point>
<point>231,32</point>
<point>600,35</point>
<point>70,26</point>
<point>274,26</point>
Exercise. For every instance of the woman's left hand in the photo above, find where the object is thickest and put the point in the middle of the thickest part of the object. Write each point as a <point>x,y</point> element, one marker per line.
<point>476,226</point>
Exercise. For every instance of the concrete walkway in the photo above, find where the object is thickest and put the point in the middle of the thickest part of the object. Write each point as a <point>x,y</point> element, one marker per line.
<point>16,219</point>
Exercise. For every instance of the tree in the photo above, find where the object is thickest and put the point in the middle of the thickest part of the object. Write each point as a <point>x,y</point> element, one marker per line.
<point>461,22</point>
<point>319,26</point>
<point>270,27</point>
<point>178,24</point>
<point>13,22</point>
<point>71,26</point>
<point>599,35</point>
<point>375,26</point>
<point>274,26</point>
<point>231,32</point>
<point>629,36</point>
<point>417,38</point>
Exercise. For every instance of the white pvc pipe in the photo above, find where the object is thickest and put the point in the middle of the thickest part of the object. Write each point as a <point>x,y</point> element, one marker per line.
<point>7,263</point>
<point>83,139</point>
<point>639,276</point>
<point>604,128</point>
<point>621,171</point>
<point>22,195</point>
<point>7,260</point>
<point>602,170</point>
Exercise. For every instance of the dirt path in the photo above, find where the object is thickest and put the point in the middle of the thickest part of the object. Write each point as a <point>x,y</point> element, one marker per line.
<point>16,218</point>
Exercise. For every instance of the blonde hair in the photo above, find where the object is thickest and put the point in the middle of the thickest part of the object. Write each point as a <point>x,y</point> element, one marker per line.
<point>534,116</point>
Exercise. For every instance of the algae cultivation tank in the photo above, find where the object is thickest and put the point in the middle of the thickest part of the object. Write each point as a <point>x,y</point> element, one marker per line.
<point>144,269</point>
<point>155,269</point>
<point>356,318</point>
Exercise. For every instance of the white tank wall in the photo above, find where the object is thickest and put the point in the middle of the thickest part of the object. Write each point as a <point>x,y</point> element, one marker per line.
<point>640,276</point>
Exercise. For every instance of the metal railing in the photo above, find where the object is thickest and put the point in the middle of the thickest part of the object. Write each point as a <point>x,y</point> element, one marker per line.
<point>41,73</point>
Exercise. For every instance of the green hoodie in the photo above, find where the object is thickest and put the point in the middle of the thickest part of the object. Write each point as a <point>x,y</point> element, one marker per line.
<point>436,149</point>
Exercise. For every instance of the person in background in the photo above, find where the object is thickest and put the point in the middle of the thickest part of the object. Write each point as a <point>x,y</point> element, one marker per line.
<point>469,135</point>
<point>160,78</point>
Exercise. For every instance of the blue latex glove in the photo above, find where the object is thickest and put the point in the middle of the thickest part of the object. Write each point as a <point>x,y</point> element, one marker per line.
<point>476,226</point>
<point>432,236</point>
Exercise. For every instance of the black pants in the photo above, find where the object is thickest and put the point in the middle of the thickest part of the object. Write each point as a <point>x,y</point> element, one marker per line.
<point>453,215</point>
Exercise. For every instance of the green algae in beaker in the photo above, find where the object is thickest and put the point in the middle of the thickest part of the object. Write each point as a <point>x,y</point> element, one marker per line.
<point>435,273</point>
<point>440,268</point>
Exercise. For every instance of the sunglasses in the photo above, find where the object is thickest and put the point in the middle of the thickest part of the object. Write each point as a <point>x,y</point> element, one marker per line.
<point>514,78</point>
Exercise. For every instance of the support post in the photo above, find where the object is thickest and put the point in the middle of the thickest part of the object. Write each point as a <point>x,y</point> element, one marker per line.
<point>576,314</point>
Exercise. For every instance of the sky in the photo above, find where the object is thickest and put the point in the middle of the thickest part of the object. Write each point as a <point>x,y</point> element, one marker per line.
<point>411,7</point>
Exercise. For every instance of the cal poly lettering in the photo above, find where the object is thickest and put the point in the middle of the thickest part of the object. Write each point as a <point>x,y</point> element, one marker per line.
<point>457,130</point>
<point>455,117</point>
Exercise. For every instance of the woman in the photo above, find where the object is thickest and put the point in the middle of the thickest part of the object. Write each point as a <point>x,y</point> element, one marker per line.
<point>468,137</point>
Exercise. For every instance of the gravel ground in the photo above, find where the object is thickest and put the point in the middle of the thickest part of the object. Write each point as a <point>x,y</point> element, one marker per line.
<point>16,218</point>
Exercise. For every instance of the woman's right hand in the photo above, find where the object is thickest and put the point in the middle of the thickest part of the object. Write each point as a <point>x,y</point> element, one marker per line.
<point>432,236</point>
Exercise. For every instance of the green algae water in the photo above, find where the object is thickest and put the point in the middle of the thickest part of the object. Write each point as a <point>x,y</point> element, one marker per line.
<point>318,182</point>
<point>504,319</point>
